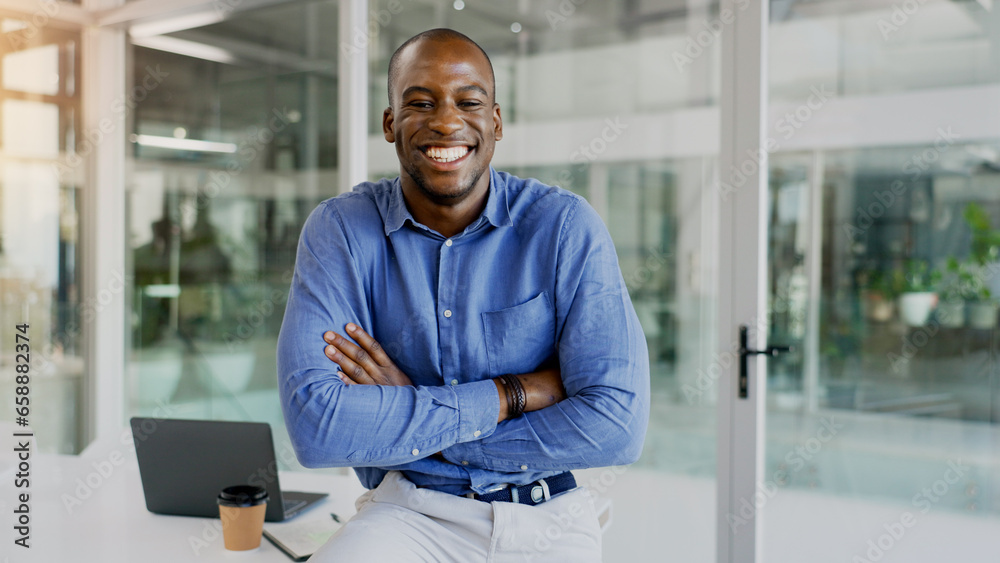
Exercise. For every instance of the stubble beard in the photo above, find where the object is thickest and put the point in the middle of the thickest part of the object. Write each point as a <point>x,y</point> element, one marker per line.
<point>441,199</point>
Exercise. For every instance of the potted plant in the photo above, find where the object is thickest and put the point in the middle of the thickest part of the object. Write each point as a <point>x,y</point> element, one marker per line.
<point>878,295</point>
<point>984,252</point>
<point>954,289</point>
<point>985,244</point>
<point>917,298</point>
<point>983,309</point>
<point>985,240</point>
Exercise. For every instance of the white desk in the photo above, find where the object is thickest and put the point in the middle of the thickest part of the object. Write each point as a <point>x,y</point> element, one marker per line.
<point>112,524</point>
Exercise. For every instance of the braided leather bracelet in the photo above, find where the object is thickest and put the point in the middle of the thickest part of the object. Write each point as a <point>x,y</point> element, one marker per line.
<point>516,398</point>
<point>508,393</point>
<point>522,398</point>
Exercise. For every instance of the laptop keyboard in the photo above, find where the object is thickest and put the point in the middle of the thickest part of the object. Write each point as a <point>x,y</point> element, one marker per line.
<point>292,505</point>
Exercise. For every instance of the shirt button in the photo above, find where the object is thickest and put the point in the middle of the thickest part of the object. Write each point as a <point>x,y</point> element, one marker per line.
<point>465,462</point>
<point>476,433</point>
<point>447,313</point>
<point>447,242</point>
<point>523,467</point>
<point>415,451</point>
<point>454,382</point>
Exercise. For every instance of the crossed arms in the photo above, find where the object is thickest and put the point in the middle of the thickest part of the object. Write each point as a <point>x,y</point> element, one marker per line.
<point>590,412</point>
<point>368,364</point>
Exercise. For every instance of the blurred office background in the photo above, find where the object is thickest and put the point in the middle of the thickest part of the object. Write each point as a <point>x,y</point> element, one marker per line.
<point>883,243</point>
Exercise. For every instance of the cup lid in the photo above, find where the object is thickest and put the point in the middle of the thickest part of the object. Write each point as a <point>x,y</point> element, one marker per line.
<point>242,495</point>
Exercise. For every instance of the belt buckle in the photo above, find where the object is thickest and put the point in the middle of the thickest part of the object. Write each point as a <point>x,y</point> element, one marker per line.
<point>540,492</point>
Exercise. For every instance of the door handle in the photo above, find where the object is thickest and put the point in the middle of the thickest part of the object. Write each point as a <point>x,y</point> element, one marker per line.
<point>745,353</point>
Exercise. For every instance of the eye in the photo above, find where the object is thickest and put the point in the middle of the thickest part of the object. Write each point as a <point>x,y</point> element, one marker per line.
<point>471,104</point>
<point>419,104</point>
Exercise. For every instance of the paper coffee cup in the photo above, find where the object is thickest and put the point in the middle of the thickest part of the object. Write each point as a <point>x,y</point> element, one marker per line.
<point>241,509</point>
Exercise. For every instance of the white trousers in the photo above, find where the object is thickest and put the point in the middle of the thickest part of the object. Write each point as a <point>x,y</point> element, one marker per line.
<point>400,523</point>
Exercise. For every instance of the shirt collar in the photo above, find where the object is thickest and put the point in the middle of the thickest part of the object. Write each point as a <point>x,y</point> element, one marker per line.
<point>496,212</point>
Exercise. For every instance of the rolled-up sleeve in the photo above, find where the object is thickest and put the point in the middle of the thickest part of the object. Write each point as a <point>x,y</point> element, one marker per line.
<point>333,424</point>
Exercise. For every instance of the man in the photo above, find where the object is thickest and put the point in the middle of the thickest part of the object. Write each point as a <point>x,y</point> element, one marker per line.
<point>466,275</point>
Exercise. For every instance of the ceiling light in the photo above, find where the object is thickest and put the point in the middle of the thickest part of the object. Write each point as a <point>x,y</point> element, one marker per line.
<point>185,47</point>
<point>8,25</point>
<point>183,144</point>
<point>180,23</point>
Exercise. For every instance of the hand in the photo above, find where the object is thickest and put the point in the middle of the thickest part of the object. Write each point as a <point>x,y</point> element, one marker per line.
<point>366,364</point>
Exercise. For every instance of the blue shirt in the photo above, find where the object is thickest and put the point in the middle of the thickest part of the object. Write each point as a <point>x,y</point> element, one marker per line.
<point>533,282</point>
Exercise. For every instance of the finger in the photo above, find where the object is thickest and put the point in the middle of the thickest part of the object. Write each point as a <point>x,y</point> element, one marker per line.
<point>369,344</point>
<point>347,365</point>
<point>356,353</point>
<point>347,380</point>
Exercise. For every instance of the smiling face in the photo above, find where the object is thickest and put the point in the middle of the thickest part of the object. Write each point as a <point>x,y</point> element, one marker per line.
<point>443,121</point>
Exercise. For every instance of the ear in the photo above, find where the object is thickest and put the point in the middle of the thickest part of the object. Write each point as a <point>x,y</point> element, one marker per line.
<point>497,123</point>
<point>387,121</point>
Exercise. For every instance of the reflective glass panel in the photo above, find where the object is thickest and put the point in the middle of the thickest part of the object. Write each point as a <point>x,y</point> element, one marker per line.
<point>41,191</point>
<point>884,220</point>
<point>234,142</point>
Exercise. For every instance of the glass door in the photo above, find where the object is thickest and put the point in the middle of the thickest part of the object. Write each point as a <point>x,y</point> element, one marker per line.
<point>883,217</point>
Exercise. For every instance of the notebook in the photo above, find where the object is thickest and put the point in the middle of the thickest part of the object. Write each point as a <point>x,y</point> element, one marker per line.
<point>184,464</point>
<point>301,539</point>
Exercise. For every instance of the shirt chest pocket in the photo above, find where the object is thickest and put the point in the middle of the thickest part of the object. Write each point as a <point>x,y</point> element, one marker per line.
<point>520,338</point>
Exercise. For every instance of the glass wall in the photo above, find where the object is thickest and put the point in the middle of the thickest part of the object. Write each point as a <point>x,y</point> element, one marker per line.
<point>234,142</point>
<point>42,163</point>
<point>883,425</point>
<point>857,51</point>
<point>565,60</point>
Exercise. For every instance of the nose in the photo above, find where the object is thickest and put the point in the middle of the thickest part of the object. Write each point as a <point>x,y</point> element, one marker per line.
<point>446,120</point>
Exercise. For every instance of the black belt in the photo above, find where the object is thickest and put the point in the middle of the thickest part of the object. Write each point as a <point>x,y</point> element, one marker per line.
<point>532,493</point>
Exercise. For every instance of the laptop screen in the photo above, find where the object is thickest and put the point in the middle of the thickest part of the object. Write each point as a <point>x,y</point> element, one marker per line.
<point>184,464</point>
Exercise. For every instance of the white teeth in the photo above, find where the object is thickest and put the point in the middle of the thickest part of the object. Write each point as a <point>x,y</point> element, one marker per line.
<point>446,154</point>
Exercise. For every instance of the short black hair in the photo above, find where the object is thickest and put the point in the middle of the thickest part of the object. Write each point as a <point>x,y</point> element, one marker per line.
<point>439,34</point>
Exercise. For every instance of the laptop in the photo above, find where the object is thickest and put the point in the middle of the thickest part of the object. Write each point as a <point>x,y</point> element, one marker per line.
<point>184,464</point>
